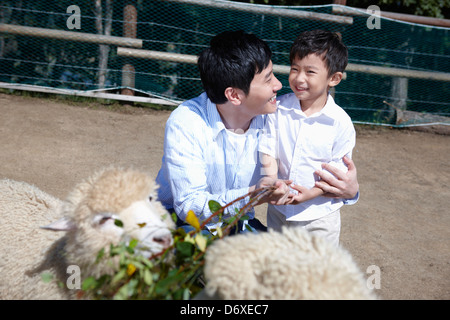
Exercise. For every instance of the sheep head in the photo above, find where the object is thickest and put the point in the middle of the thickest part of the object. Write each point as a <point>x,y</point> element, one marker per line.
<point>95,205</point>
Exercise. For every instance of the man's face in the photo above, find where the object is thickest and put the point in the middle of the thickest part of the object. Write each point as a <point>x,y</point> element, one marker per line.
<point>261,98</point>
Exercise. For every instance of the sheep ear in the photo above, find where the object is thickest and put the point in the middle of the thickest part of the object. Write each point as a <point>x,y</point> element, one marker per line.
<point>63,224</point>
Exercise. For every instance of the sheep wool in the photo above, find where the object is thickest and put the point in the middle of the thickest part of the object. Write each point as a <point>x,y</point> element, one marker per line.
<point>291,264</point>
<point>23,208</point>
<point>87,221</point>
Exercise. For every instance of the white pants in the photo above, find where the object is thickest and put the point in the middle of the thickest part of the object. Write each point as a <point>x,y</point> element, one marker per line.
<point>328,227</point>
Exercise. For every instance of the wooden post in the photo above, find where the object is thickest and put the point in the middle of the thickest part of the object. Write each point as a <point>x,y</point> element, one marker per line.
<point>129,31</point>
<point>399,92</point>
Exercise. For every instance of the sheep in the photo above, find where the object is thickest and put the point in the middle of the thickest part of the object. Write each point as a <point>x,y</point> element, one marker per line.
<point>87,218</point>
<point>291,264</point>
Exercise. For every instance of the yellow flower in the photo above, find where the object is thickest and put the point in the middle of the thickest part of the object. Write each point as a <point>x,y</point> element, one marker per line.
<point>130,269</point>
<point>192,219</point>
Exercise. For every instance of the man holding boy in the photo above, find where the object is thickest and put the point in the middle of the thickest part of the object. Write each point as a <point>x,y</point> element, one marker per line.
<point>211,141</point>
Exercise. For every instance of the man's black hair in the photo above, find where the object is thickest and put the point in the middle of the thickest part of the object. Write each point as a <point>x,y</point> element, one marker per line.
<point>232,60</point>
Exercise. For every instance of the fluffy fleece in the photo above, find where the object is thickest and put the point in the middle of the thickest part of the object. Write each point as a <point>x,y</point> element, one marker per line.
<point>291,264</point>
<point>87,221</point>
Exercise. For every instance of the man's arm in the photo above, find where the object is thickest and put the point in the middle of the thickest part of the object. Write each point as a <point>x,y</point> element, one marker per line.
<point>338,184</point>
<point>188,170</point>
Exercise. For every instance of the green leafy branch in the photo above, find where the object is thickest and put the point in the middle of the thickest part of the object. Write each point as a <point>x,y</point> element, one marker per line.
<point>175,273</point>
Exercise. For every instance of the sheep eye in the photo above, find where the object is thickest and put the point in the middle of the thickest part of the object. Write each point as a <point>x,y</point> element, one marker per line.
<point>103,220</point>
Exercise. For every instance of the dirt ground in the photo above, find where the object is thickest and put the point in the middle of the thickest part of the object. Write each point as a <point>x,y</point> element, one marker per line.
<point>401,223</point>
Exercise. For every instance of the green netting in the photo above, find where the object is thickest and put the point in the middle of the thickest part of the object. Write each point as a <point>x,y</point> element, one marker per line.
<point>171,26</point>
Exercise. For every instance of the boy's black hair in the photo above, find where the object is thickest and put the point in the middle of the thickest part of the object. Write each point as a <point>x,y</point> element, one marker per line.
<point>325,43</point>
<point>232,60</point>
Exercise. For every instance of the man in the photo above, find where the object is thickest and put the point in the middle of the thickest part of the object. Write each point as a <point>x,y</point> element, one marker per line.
<point>210,144</point>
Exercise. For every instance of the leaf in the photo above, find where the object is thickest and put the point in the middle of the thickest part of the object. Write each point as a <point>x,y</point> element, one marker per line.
<point>188,238</point>
<point>186,294</point>
<point>173,277</point>
<point>118,223</point>
<point>46,277</point>
<point>201,241</point>
<point>148,280</point>
<point>174,217</point>
<point>214,206</point>
<point>232,220</point>
<point>244,217</point>
<point>192,219</point>
<point>89,283</point>
<point>185,249</point>
<point>100,255</point>
<point>127,290</point>
<point>133,243</point>
<point>118,276</point>
<point>141,225</point>
<point>138,264</point>
<point>147,263</point>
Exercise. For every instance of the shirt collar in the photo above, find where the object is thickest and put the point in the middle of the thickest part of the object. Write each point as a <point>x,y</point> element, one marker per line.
<point>294,104</point>
<point>214,120</point>
<point>329,107</point>
<point>217,125</point>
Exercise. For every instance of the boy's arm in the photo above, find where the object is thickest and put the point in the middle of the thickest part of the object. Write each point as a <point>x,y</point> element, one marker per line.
<point>304,194</point>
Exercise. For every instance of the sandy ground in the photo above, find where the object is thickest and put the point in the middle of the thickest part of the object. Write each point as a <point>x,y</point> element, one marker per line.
<point>401,223</point>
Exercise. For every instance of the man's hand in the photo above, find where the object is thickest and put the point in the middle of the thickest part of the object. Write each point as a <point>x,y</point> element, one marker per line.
<point>339,184</point>
<point>279,195</point>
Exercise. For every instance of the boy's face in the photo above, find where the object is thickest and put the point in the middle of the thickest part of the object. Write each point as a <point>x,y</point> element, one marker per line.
<point>261,98</point>
<point>309,79</point>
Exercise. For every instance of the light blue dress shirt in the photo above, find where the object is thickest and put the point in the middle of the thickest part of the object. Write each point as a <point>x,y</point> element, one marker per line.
<point>200,164</point>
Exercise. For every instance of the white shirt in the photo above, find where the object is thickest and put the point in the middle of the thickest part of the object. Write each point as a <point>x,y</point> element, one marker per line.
<point>204,161</point>
<point>301,144</point>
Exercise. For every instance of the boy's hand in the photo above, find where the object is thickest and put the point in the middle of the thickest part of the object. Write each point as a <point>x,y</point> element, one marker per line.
<point>304,194</point>
<point>340,184</point>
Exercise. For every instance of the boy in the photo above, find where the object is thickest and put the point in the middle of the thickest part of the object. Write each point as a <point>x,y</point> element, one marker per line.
<point>309,129</point>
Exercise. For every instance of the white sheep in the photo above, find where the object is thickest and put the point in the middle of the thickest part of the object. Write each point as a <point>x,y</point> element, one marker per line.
<point>292,264</point>
<point>87,218</point>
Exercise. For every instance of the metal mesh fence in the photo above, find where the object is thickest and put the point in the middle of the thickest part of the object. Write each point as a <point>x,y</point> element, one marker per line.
<point>395,68</point>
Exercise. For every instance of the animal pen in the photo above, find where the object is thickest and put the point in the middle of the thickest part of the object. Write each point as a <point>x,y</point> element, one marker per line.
<point>146,51</point>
